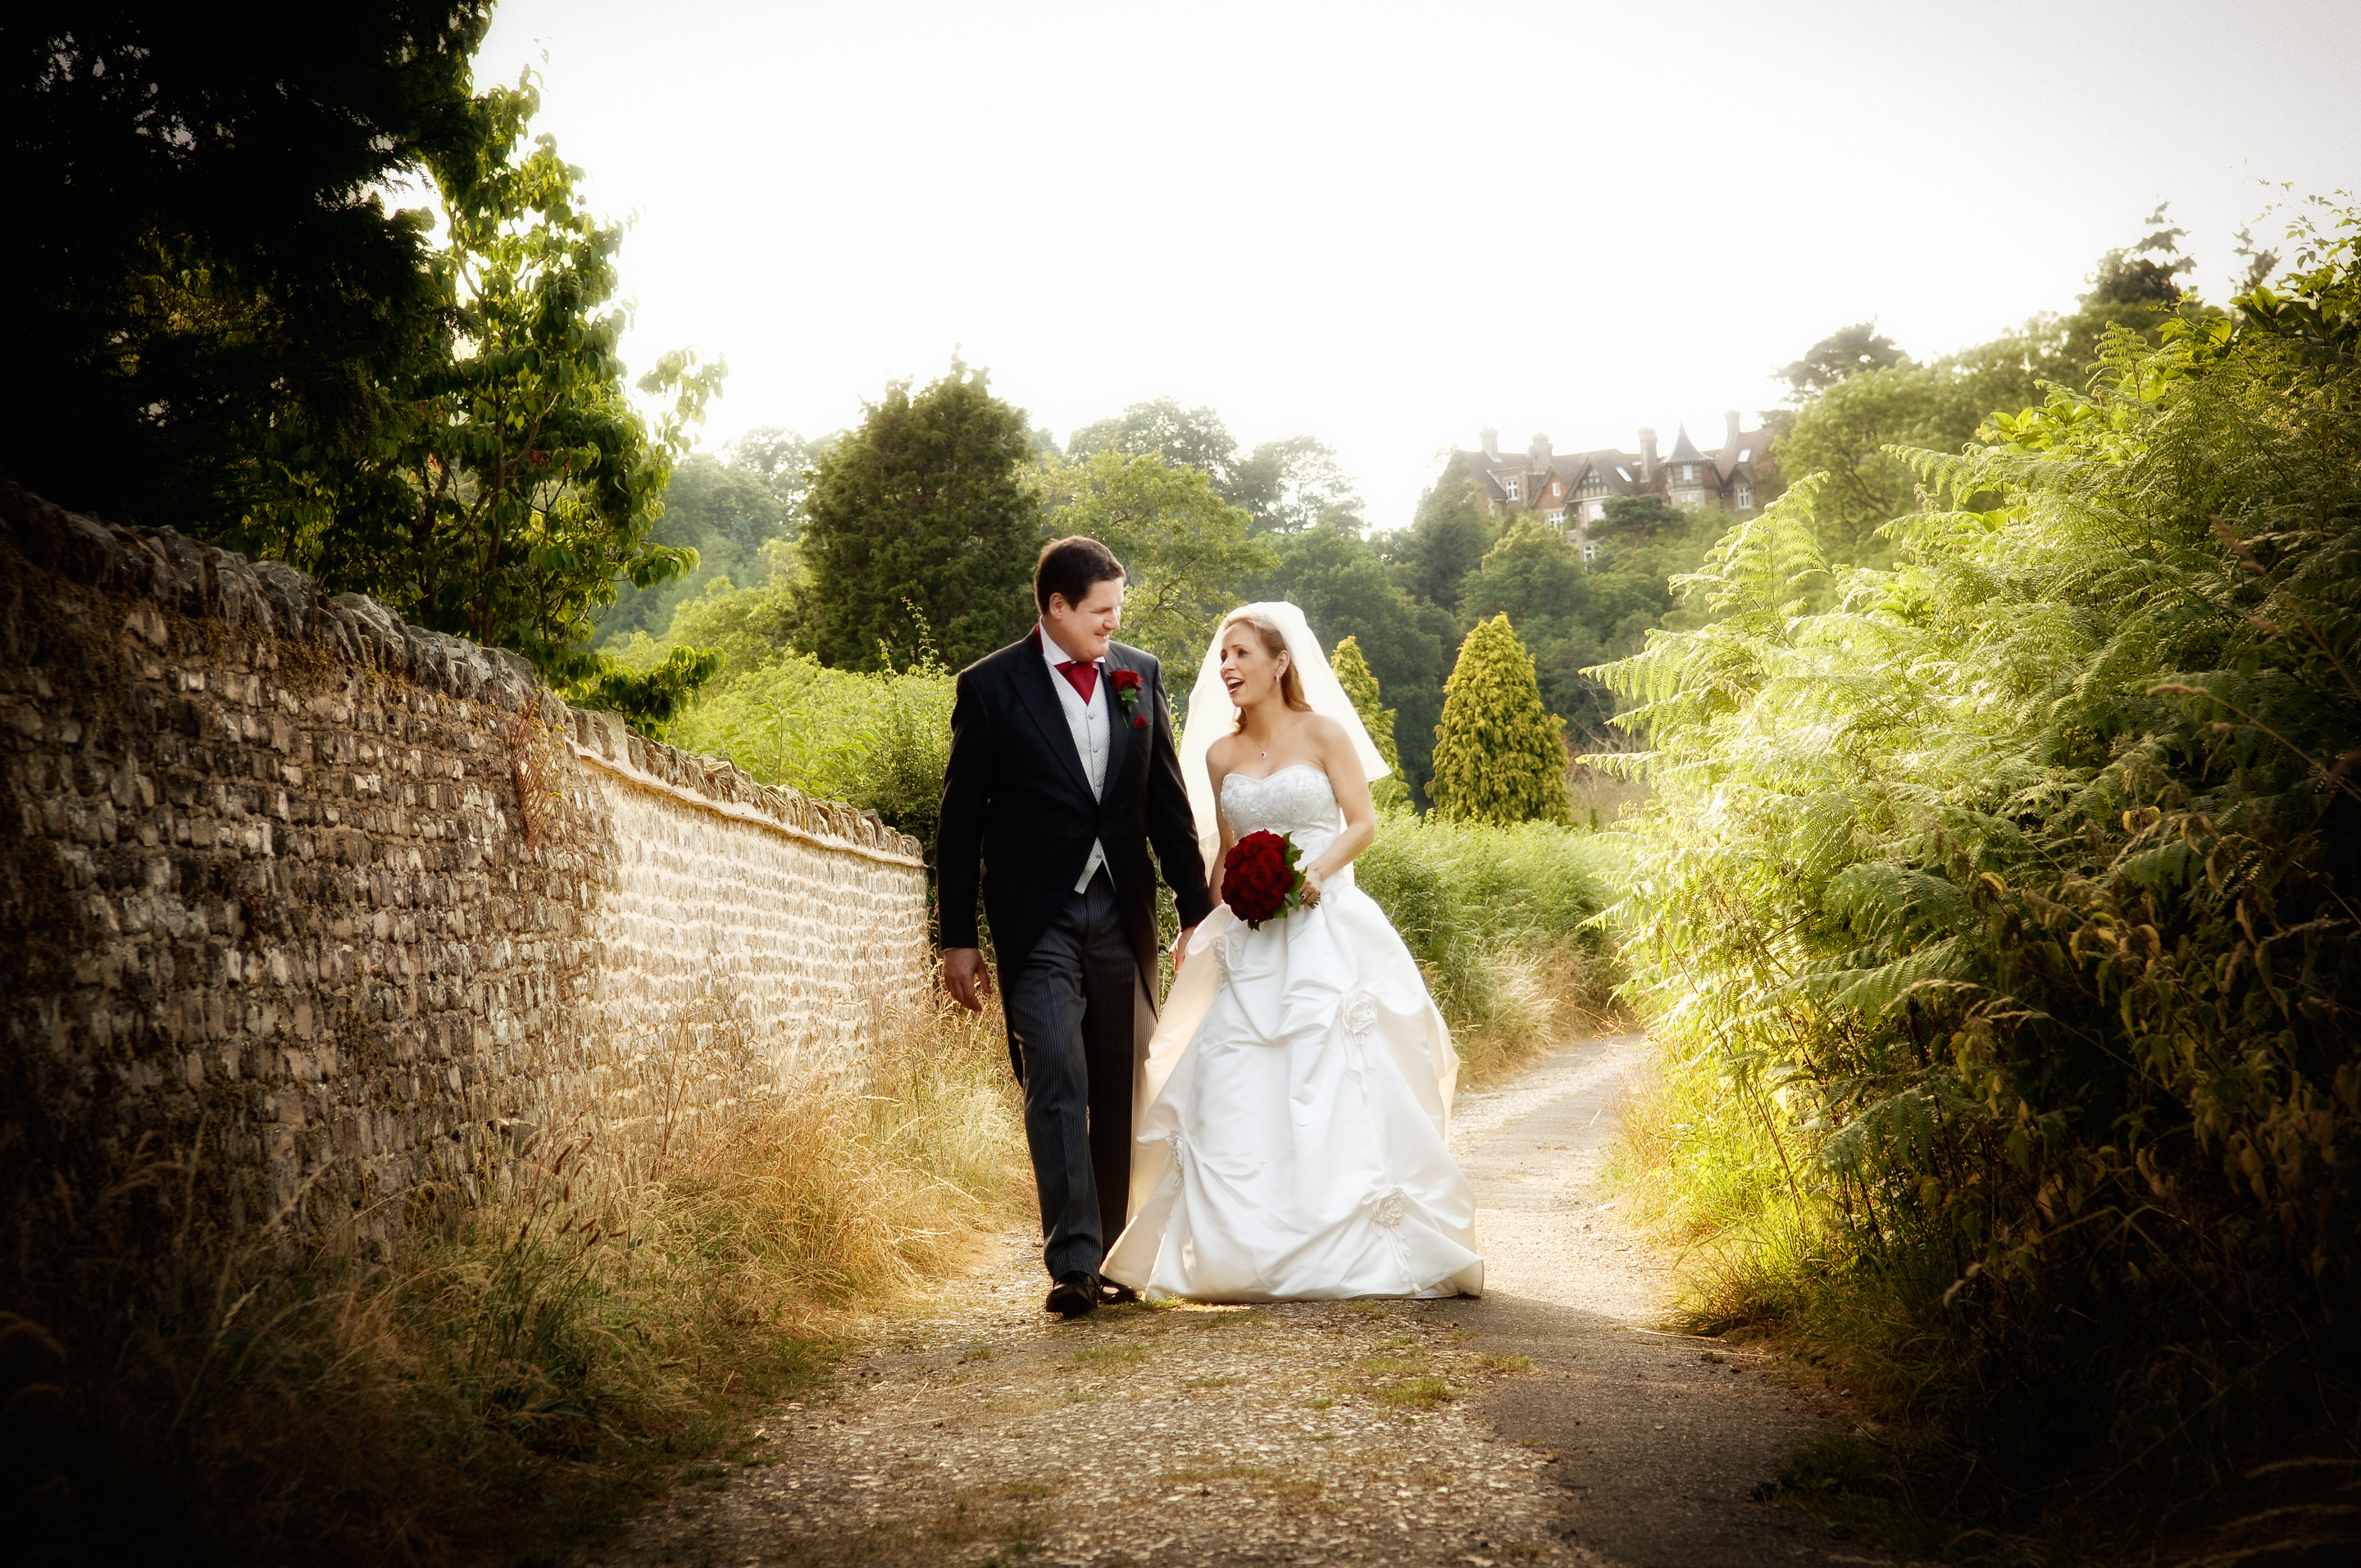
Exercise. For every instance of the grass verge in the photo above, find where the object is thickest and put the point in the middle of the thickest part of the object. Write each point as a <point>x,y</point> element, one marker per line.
<point>1704,1164</point>
<point>1498,919</point>
<point>526,1370</point>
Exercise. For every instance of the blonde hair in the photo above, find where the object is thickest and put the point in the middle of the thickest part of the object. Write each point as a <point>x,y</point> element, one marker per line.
<point>1274,642</point>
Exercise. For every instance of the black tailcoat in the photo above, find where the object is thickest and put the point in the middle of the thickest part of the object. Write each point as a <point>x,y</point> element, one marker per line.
<point>1018,818</point>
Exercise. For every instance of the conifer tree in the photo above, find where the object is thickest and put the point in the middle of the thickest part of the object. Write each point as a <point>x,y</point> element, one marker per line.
<point>1361,684</point>
<point>1497,755</point>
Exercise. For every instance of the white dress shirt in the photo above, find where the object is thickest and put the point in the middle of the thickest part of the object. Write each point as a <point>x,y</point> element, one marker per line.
<point>1087,722</point>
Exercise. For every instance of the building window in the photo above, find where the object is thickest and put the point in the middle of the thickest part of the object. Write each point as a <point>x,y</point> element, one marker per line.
<point>1594,510</point>
<point>1557,518</point>
<point>1510,485</point>
<point>1589,552</point>
<point>1745,497</point>
<point>1746,454</point>
<point>1558,488</point>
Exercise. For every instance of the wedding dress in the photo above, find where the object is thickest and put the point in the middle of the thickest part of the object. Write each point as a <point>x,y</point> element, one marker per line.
<point>1295,1100</point>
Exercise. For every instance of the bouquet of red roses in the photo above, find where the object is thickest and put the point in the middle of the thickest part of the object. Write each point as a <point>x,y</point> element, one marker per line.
<point>1260,881</point>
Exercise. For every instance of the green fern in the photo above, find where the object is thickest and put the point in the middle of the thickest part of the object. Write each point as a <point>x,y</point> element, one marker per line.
<point>2011,886</point>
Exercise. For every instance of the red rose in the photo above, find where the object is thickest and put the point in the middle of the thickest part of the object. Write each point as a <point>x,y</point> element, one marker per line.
<point>1260,881</point>
<point>1127,692</point>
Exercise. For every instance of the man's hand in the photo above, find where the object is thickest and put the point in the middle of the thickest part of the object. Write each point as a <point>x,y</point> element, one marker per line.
<point>1180,949</point>
<point>966,977</point>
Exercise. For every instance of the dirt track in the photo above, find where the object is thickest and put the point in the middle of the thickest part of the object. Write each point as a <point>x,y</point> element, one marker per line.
<point>1551,1422</point>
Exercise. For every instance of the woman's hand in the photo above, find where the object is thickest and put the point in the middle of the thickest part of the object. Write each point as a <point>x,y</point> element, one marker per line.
<point>1312,878</point>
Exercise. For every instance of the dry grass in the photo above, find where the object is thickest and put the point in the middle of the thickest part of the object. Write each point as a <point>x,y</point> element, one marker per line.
<point>1695,1165</point>
<point>525,1371</point>
<point>1533,997</point>
<point>1499,920</point>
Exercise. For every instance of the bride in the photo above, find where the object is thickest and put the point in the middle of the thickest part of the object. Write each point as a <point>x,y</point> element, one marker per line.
<point>1292,1111</point>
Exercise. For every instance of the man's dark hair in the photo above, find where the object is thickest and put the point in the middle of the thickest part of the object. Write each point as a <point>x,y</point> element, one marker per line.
<point>1071,568</point>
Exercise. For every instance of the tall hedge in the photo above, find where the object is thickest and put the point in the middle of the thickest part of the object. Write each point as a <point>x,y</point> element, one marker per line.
<point>1498,754</point>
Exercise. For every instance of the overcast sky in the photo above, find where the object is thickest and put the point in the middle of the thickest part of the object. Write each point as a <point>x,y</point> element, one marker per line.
<point>1389,226</point>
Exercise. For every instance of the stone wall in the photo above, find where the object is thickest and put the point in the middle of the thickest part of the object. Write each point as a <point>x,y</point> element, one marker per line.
<point>339,907</point>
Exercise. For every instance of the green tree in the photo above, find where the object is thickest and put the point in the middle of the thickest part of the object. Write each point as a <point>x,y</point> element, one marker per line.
<point>538,484</point>
<point>747,628</point>
<point>1842,355</point>
<point>1341,585</point>
<point>1572,613</point>
<point>519,485</point>
<point>207,293</point>
<point>1195,438</point>
<point>919,524</point>
<point>1845,432</point>
<point>1848,422</point>
<point>1187,553</point>
<point>727,507</point>
<point>2147,273</point>
<point>1445,539</point>
<point>1498,756</point>
<point>1354,675</point>
<point>1293,485</point>
<point>1539,580</point>
<point>479,466</point>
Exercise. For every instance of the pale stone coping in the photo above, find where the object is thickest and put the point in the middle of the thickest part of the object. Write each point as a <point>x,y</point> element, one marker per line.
<point>734,809</point>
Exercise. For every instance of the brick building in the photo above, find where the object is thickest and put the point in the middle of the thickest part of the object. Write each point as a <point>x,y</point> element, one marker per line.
<point>1570,492</point>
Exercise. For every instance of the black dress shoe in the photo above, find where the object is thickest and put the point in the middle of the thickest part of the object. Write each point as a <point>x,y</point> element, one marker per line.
<point>1075,1295</point>
<point>1113,1295</point>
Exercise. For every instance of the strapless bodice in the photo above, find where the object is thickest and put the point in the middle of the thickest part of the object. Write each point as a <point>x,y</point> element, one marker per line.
<point>1297,800</point>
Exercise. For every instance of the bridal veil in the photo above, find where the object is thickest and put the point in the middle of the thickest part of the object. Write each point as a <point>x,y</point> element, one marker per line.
<point>1211,714</point>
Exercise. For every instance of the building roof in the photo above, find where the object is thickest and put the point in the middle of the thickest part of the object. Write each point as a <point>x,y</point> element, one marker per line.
<point>1617,470</point>
<point>1747,451</point>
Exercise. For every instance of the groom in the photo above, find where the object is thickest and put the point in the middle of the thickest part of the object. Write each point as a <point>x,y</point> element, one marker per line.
<point>1062,773</point>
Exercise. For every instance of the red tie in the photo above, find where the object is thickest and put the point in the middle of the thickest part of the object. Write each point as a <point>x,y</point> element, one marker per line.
<point>1084,674</point>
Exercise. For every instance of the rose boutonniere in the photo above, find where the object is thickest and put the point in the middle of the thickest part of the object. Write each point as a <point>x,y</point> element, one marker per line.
<point>1127,692</point>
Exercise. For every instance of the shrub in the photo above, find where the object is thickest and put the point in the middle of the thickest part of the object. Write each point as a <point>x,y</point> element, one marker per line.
<point>2012,893</point>
<point>880,741</point>
<point>1497,755</point>
<point>1498,919</point>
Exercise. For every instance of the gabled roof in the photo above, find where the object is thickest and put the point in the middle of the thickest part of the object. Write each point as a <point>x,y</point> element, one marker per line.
<point>1754,443</point>
<point>1619,471</point>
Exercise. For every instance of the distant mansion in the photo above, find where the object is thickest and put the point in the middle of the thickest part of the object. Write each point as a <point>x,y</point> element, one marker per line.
<point>1570,492</point>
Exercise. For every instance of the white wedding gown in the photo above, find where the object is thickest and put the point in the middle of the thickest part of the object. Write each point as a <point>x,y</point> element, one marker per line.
<point>1295,1101</point>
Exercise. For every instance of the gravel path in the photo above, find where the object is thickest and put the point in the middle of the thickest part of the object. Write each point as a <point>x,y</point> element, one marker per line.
<point>1544,1424</point>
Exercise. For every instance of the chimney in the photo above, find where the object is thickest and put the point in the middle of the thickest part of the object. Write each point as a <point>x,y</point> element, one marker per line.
<point>1647,455</point>
<point>1540,452</point>
<point>1728,427</point>
<point>1491,443</point>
